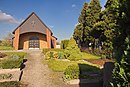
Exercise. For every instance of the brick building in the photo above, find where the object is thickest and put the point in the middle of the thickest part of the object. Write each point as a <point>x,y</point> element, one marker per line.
<point>32,33</point>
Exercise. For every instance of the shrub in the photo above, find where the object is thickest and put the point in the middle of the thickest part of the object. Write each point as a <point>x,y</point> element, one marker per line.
<point>64,44</point>
<point>51,55</point>
<point>6,43</point>
<point>72,52</point>
<point>72,72</point>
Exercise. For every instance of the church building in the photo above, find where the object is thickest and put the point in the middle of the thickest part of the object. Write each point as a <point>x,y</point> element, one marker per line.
<point>32,33</point>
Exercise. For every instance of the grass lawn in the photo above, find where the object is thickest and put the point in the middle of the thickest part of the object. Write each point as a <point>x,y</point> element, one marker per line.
<point>60,66</point>
<point>12,84</point>
<point>12,60</point>
<point>6,48</point>
<point>90,56</point>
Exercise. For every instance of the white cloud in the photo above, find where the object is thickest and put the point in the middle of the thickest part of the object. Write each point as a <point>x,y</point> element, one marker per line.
<point>7,18</point>
<point>73,5</point>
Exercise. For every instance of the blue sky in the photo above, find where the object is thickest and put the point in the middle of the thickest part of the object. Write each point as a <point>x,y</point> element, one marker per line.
<point>60,15</point>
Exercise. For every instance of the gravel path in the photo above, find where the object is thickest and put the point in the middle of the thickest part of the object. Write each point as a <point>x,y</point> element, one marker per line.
<point>36,74</point>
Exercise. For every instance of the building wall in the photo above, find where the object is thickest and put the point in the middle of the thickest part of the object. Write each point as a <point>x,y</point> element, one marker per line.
<point>16,39</point>
<point>53,41</point>
<point>48,34</point>
<point>24,40</point>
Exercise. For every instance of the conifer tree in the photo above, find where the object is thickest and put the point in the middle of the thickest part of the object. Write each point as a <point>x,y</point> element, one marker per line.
<point>80,32</point>
<point>88,17</point>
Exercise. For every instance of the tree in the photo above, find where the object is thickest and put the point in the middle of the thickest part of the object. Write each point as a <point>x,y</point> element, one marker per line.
<point>88,17</point>
<point>7,40</point>
<point>121,44</point>
<point>80,32</point>
<point>72,52</point>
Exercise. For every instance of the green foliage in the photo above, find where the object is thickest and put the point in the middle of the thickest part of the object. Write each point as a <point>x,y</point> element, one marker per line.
<point>72,72</point>
<point>10,84</point>
<point>6,48</point>
<point>121,43</point>
<point>64,44</point>
<point>7,43</point>
<point>84,32</point>
<point>81,31</point>
<point>72,52</point>
<point>121,75</point>
<point>51,55</point>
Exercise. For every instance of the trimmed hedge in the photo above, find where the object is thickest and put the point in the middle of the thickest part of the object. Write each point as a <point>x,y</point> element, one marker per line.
<point>72,72</point>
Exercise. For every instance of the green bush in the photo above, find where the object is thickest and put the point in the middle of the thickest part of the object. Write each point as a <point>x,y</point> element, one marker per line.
<point>64,44</point>
<point>51,55</point>
<point>72,52</point>
<point>72,72</point>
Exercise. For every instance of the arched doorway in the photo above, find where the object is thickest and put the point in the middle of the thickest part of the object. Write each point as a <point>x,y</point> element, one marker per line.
<point>34,42</point>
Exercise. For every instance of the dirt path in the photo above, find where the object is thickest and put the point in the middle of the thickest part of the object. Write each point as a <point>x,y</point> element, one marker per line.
<point>36,74</point>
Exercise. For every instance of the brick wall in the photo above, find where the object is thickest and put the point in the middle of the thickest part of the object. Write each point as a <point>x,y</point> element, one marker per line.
<point>48,37</point>
<point>16,39</point>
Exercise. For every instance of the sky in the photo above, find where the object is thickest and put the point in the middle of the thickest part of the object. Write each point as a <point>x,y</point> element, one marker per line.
<point>60,16</point>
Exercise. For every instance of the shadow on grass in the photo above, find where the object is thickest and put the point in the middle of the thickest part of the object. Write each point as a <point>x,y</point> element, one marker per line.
<point>90,76</point>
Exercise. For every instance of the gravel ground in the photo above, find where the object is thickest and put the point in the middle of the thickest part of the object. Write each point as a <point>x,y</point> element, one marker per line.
<point>37,74</point>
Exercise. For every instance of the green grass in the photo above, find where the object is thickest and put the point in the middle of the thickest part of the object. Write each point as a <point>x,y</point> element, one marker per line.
<point>6,48</point>
<point>10,84</point>
<point>84,55</point>
<point>89,56</point>
<point>20,54</point>
<point>60,66</point>
<point>45,50</point>
<point>13,60</point>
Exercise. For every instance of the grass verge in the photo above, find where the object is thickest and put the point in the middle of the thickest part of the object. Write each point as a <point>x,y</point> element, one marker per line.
<point>13,60</point>
<point>6,48</point>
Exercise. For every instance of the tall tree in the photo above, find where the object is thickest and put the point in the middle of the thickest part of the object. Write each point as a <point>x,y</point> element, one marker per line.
<point>94,16</point>
<point>80,32</point>
<point>88,17</point>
